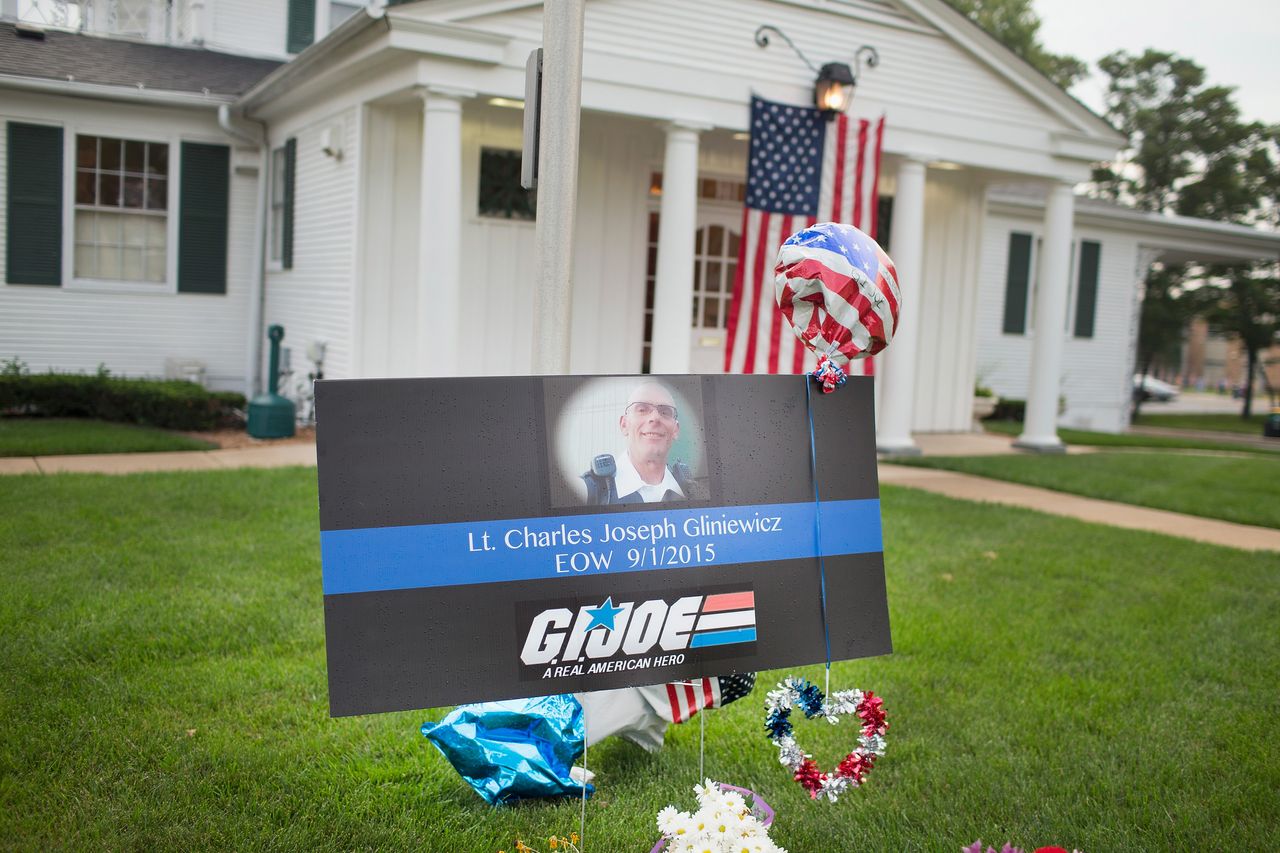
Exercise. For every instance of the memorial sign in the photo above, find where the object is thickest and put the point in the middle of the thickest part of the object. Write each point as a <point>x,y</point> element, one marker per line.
<point>523,536</point>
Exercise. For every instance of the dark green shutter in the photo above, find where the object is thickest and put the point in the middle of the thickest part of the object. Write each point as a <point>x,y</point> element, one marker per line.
<point>1087,288</point>
<point>202,218</point>
<point>302,25</point>
<point>286,230</point>
<point>33,212</point>
<point>1016,280</point>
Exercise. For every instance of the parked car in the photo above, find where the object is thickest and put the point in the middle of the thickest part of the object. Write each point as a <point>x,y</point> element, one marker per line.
<point>1150,388</point>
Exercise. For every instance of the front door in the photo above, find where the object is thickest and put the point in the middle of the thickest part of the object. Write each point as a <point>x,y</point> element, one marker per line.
<point>715,263</point>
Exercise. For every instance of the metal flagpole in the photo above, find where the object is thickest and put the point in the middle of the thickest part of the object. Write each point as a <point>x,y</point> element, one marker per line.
<point>562,26</point>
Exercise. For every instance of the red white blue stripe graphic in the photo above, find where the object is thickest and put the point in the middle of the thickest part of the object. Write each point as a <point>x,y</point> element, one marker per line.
<point>725,619</point>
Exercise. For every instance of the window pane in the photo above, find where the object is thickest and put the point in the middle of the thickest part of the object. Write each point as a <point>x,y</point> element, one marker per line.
<point>133,193</point>
<point>108,262</point>
<point>135,156</point>
<point>108,228</point>
<point>277,235</point>
<point>730,275</point>
<point>155,265</point>
<point>697,275</point>
<point>713,276</point>
<point>135,231</point>
<point>653,227</point>
<point>84,227</point>
<point>697,241</point>
<point>648,327</point>
<point>111,154</point>
<point>709,306</point>
<point>648,293</point>
<point>157,159</point>
<point>157,194</point>
<point>277,177</point>
<point>131,264</point>
<point>500,193</point>
<point>86,261</point>
<point>652,264</point>
<point>694,318</point>
<point>156,232</point>
<point>715,240</point>
<point>733,245</point>
<point>109,190</point>
<point>86,151</point>
<point>86,188</point>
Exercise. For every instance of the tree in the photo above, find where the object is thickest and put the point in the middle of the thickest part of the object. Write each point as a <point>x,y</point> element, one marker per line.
<point>1191,153</point>
<point>1017,27</point>
<point>1249,307</point>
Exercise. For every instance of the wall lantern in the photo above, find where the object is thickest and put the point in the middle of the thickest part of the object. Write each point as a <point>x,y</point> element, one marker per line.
<point>833,90</point>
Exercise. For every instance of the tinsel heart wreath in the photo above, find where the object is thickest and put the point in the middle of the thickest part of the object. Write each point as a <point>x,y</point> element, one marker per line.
<point>854,767</point>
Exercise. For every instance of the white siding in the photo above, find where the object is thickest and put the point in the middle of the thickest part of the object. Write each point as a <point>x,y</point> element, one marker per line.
<point>132,333</point>
<point>920,69</point>
<point>313,300</point>
<point>250,27</point>
<point>1094,370</point>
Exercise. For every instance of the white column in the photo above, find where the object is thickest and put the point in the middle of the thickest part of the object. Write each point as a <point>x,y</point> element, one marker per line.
<point>1040,425</point>
<point>440,233</point>
<point>899,363</point>
<point>673,280</point>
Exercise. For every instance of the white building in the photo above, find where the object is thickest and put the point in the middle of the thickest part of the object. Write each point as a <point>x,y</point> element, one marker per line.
<point>369,185</point>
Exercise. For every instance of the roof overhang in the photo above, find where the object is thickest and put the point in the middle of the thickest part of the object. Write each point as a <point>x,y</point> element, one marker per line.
<point>1177,239</point>
<point>367,38</point>
<point>104,92</point>
<point>1020,73</point>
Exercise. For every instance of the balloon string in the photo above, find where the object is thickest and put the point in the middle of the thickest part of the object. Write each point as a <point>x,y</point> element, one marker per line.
<point>817,527</point>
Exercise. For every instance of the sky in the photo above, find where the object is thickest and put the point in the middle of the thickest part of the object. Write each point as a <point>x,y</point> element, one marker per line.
<point>1237,42</point>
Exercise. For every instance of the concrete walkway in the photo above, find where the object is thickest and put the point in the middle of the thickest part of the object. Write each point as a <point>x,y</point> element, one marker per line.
<point>949,483</point>
<point>267,456</point>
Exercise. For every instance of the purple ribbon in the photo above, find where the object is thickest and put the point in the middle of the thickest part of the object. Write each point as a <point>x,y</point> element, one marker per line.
<point>759,808</point>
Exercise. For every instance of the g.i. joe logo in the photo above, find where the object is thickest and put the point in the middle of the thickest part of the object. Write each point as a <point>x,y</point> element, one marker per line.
<point>648,633</point>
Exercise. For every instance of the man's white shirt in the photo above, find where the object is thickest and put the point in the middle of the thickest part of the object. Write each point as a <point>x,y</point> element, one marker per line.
<point>628,480</point>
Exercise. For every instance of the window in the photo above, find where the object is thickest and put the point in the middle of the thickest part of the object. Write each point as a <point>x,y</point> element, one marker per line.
<point>500,193</point>
<point>121,212</point>
<point>1087,287</point>
<point>715,266</point>
<point>283,165</point>
<point>277,204</point>
<point>1017,284</point>
<point>130,226</point>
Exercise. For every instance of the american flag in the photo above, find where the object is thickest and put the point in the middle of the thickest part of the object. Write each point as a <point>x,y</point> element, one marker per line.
<point>802,169</point>
<point>686,698</point>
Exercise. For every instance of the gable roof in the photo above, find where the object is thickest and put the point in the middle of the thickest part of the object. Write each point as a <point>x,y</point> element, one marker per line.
<point>935,15</point>
<point>78,58</point>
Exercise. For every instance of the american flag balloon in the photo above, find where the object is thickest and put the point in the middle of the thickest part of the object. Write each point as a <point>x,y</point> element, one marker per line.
<point>839,291</point>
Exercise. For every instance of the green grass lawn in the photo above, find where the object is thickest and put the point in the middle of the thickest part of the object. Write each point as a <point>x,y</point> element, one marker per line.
<point>1086,438</point>
<point>62,436</point>
<point>1233,488</point>
<point>162,682</point>
<point>1214,422</point>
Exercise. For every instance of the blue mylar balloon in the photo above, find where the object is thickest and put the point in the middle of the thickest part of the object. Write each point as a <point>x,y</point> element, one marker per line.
<point>514,750</point>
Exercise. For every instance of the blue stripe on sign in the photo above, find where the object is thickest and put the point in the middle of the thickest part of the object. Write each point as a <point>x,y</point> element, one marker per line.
<point>722,638</point>
<point>425,555</point>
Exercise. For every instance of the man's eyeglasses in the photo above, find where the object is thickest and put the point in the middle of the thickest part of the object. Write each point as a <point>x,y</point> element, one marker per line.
<point>643,410</point>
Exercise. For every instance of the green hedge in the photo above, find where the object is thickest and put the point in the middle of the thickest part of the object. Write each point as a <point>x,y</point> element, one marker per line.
<point>164,403</point>
<point>1008,410</point>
